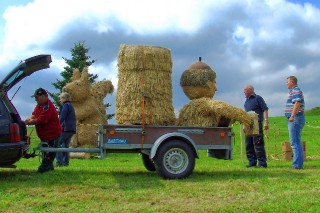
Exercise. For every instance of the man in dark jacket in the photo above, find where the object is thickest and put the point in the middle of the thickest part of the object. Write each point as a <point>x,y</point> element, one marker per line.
<point>255,145</point>
<point>45,118</point>
<point>68,123</point>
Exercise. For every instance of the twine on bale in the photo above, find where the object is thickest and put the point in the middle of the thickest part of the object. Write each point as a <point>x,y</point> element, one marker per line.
<point>142,101</point>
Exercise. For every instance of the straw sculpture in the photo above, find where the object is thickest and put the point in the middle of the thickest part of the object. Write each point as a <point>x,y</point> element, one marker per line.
<point>90,111</point>
<point>144,92</point>
<point>198,81</point>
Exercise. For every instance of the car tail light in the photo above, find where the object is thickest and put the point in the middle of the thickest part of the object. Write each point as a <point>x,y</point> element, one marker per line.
<point>14,133</point>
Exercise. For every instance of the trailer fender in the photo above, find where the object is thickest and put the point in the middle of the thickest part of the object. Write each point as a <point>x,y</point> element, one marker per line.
<point>173,136</point>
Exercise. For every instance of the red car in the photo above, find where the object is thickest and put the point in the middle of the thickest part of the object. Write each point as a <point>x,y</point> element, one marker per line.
<point>14,142</point>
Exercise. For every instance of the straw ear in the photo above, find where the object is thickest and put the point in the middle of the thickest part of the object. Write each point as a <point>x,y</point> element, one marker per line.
<point>85,74</point>
<point>76,74</point>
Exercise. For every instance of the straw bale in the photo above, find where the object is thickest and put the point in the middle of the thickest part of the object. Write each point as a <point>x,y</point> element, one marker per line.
<point>80,155</point>
<point>205,112</point>
<point>144,72</point>
<point>87,101</point>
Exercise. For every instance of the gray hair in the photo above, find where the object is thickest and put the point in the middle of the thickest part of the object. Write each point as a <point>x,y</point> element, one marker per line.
<point>250,87</point>
<point>65,95</point>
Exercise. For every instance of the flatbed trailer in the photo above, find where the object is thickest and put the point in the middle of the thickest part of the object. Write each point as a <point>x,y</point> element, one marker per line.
<point>169,150</point>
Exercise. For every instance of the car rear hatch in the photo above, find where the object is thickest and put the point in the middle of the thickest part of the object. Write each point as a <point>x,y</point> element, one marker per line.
<point>13,140</point>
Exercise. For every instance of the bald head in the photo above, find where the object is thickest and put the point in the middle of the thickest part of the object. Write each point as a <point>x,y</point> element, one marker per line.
<point>248,90</point>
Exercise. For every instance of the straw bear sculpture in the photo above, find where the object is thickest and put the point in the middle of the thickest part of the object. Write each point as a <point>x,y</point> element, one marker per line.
<point>87,100</point>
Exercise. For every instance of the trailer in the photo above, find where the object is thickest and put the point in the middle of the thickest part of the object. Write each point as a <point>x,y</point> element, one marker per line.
<point>169,150</point>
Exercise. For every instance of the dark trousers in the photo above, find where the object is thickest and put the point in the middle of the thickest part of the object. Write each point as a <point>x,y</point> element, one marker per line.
<point>255,149</point>
<point>63,157</point>
<point>48,157</point>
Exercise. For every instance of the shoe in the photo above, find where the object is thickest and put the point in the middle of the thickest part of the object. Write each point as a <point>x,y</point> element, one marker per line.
<point>293,167</point>
<point>44,167</point>
<point>262,166</point>
<point>249,165</point>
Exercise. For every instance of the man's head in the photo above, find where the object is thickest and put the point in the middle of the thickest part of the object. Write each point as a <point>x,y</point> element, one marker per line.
<point>64,97</point>
<point>292,81</point>
<point>248,90</point>
<point>40,95</point>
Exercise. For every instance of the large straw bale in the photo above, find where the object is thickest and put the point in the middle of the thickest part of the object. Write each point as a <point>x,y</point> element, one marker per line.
<point>205,112</point>
<point>87,101</point>
<point>144,73</point>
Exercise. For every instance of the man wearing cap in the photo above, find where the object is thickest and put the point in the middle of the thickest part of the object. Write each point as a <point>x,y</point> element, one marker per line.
<point>45,118</point>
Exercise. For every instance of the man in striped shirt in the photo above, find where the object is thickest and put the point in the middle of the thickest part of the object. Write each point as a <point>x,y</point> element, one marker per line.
<point>294,111</point>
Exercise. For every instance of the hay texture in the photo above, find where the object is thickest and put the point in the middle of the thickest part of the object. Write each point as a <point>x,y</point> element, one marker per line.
<point>205,112</point>
<point>198,81</point>
<point>144,74</point>
<point>87,100</point>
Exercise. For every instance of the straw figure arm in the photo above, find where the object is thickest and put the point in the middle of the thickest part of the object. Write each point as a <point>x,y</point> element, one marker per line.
<point>206,112</point>
<point>101,89</point>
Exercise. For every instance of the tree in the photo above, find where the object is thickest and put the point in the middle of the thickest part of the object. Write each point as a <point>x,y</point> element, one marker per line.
<point>79,60</point>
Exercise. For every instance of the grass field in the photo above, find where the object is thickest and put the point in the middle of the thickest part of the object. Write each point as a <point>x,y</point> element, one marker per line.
<point>120,183</point>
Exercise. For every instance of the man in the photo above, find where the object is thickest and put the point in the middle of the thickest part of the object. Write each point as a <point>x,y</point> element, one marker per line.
<point>68,122</point>
<point>255,144</point>
<point>294,111</point>
<point>45,118</point>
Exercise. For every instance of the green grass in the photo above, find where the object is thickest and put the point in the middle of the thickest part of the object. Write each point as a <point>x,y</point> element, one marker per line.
<point>120,183</point>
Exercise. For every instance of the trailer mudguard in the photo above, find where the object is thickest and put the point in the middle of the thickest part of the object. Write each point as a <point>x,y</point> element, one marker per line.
<point>173,136</point>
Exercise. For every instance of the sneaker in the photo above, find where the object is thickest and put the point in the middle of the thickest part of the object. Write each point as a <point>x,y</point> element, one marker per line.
<point>250,165</point>
<point>262,166</point>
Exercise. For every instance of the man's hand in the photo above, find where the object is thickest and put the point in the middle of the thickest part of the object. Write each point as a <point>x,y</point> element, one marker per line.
<point>291,119</point>
<point>30,121</point>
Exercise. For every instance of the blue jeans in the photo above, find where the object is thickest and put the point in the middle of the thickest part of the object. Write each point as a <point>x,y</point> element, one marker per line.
<point>295,129</point>
<point>63,157</point>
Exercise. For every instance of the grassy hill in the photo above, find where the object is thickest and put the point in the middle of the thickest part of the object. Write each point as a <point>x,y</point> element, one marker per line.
<point>313,112</point>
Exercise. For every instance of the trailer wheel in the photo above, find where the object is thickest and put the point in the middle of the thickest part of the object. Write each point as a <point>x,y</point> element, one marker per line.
<point>175,160</point>
<point>147,162</point>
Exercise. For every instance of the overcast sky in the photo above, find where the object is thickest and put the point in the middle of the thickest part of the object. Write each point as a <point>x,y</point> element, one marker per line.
<point>244,41</point>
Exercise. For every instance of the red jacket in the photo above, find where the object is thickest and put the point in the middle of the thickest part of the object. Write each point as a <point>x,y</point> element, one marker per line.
<point>48,126</point>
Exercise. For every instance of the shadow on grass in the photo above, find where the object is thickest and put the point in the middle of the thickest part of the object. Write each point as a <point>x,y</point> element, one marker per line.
<point>254,173</point>
<point>136,177</point>
<point>95,178</point>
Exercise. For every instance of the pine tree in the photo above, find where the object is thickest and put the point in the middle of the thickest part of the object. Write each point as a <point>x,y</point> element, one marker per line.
<point>79,60</point>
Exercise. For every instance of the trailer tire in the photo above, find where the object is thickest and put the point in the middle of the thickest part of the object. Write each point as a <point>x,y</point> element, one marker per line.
<point>175,160</point>
<point>148,163</point>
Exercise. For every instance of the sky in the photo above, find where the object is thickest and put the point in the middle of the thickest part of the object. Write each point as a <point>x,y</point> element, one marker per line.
<point>244,41</point>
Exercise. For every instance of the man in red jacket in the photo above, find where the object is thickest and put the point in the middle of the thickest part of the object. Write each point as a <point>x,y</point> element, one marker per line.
<point>45,118</point>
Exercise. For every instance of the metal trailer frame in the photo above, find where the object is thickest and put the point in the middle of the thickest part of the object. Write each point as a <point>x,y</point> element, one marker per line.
<point>169,150</point>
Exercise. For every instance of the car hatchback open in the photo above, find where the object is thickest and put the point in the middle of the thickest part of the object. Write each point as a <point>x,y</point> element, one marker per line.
<point>14,142</point>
